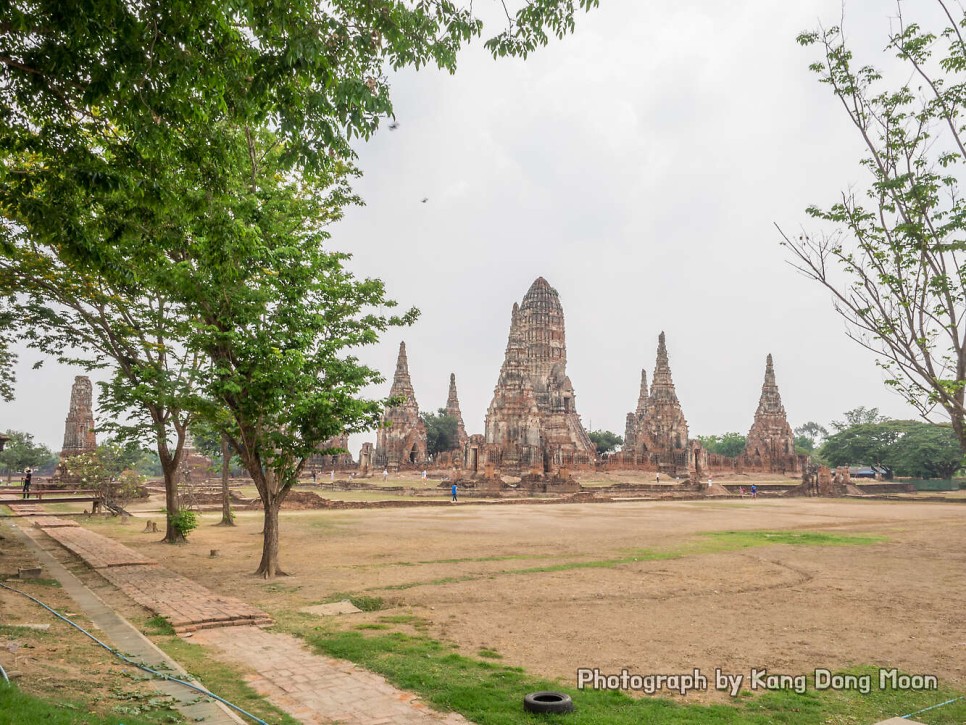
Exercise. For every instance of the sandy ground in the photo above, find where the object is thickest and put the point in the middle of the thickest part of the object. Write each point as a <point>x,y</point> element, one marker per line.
<point>786,608</point>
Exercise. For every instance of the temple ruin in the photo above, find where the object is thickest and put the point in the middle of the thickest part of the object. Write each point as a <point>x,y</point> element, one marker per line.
<point>401,438</point>
<point>333,461</point>
<point>656,437</point>
<point>770,445</point>
<point>79,434</point>
<point>532,426</point>
<point>532,429</point>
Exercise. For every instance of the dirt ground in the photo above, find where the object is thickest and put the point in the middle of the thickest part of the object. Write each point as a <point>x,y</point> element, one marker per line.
<point>786,608</point>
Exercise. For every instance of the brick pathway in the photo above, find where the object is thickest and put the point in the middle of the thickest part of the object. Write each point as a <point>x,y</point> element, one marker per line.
<point>316,689</point>
<point>311,688</point>
<point>188,606</point>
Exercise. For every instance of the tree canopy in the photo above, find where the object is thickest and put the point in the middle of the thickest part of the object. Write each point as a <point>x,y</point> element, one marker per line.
<point>21,452</point>
<point>442,432</point>
<point>895,263</point>
<point>909,447</point>
<point>729,444</point>
<point>169,168</point>
<point>605,440</point>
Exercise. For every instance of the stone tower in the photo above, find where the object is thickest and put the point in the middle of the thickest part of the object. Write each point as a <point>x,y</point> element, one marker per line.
<point>663,432</point>
<point>453,410</point>
<point>771,443</point>
<point>635,419</point>
<point>401,438</point>
<point>532,423</point>
<point>78,428</point>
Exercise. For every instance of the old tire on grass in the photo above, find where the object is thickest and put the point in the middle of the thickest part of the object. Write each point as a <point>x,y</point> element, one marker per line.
<point>548,702</point>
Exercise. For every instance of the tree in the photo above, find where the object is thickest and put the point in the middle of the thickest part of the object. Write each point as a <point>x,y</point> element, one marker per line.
<point>729,444</point>
<point>92,471</point>
<point>277,316</point>
<point>926,451</point>
<point>93,320</point>
<point>909,447</point>
<point>813,432</point>
<point>21,452</point>
<point>217,447</point>
<point>858,416</point>
<point>442,432</point>
<point>605,441</point>
<point>804,444</point>
<point>127,133</point>
<point>895,263</point>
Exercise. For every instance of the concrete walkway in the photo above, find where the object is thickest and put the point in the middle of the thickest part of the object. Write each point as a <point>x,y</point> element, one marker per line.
<point>312,688</point>
<point>126,638</point>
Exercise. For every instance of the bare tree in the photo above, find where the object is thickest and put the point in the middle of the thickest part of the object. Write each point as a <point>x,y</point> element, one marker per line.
<point>896,261</point>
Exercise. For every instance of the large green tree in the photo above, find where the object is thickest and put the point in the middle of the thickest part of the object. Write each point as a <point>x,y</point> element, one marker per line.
<point>442,432</point>
<point>895,263</point>
<point>605,440</point>
<point>729,444</point>
<point>21,452</point>
<point>909,447</point>
<point>278,317</point>
<point>161,154</point>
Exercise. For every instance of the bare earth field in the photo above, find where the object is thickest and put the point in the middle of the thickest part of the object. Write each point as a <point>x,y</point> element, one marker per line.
<point>787,608</point>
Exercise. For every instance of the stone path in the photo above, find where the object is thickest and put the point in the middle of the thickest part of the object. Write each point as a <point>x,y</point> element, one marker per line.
<point>313,689</point>
<point>316,689</point>
<point>188,606</point>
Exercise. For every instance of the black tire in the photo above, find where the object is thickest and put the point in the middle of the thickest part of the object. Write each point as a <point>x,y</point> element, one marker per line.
<point>548,702</point>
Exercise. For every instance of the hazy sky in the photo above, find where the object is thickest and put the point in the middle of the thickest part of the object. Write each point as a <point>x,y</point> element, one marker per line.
<point>639,166</point>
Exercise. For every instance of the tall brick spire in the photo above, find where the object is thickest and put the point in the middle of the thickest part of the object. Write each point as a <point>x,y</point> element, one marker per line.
<point>663,430</point>
<point>531,422</point>
<point>79,427</point>
<point>643,396</point>
<point>662,386</point>
<point>402,385</point>
<point>770,444</point>
<point>453,410</point>
<point>401,438</point>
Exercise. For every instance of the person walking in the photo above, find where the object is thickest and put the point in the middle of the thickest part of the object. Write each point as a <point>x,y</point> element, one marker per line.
<point>385,474</point>
<point>453,489</point>
<point>754,490</point>
<point>27,478</point>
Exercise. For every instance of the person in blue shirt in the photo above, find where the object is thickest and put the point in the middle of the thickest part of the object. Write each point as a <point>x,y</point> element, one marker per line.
<point>754,490</point>
<point>453,489</point>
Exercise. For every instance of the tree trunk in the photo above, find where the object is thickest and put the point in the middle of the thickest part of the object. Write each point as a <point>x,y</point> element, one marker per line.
<point>171,534</point>
<point>227,518</point>
<point>268,567</point>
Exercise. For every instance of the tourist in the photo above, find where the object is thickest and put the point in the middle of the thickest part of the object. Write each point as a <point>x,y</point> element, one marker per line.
<point>754,490</point>
<point>385,474</point>
<point>315,477</point>
<point>424,475</point>
<point>453,489</point>
<point>27,477</point>
<point>332,475</point>
<point>657,478</point>
<point>709,483</point>
<point>741,491</point>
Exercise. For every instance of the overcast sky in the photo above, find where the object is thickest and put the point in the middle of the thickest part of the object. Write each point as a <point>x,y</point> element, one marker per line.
<point>639,166</point>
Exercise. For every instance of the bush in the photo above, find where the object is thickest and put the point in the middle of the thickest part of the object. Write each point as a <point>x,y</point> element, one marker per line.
<point>184,522</point>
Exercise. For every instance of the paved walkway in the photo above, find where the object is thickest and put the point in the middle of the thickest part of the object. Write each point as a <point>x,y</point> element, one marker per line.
<point>188,606</point>
<point>317,689</point>
<point>312,688</point>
